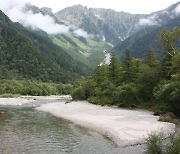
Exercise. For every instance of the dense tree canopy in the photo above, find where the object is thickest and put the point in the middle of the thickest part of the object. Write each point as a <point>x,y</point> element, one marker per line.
<point>138,83</point>
<point>25,54</point>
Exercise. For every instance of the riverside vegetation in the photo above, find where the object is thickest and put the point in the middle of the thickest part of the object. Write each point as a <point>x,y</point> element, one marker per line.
<point>10,88</point>
<point>134,82</point>
<point>156,145</point>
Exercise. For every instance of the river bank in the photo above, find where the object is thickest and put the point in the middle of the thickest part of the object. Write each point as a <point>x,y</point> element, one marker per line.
<point>15,101</point>
<point>21,100</point>
<point>124,127</point>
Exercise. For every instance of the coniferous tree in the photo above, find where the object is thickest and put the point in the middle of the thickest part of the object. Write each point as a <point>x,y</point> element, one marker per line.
<point>151,58</point>
<point>101,74</point>
<point>128,66</point>
<point>169,40</point>
<point>114,69</point>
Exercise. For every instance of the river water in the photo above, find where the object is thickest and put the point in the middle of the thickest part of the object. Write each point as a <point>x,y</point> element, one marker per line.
<point>24,130</point>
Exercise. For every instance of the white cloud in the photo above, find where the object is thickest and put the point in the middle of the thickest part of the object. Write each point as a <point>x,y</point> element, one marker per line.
<point>177,10</point>
<point>150,21</point>
<point>81,32</point>
<point>14,9</point>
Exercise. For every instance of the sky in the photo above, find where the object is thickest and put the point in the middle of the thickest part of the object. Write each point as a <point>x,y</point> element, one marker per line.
<point>131,6</point>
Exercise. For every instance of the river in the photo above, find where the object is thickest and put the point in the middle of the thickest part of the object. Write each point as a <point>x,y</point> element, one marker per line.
<point>23,129</point>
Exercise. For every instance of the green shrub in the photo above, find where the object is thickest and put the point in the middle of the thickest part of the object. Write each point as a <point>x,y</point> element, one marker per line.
<point>78,94</point>
<point>126,95</point>
<point>174,148</point>
<point>156,145</point>
<point>167,93</point>
<point>94,100</point>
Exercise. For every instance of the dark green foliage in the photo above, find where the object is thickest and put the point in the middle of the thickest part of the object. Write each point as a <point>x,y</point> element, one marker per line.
<point>36,88</point>
<point>167,92</point>
<point>114,69</point>
<point>151,58</point>
<point>126,95</point>
<point>78,94</point>
<point>156,144</point>
<point>31,55</point>
<point>175,145</point>
<point>148,78</point>
<point>136,83</point>
<point>145,38</point>
<point>84,90</point>
<point>128,67</point>
<point>64,88</point>
<point>168,40</point>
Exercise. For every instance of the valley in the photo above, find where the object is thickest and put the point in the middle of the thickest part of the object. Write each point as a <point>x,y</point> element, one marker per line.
<point>85,79</point>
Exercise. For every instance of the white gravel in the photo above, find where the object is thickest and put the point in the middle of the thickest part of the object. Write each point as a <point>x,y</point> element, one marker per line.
<point>15,101</point>
<point>124,127</point>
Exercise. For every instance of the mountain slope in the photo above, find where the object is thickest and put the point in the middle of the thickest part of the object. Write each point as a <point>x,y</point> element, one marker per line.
<point>103,27</point>
<point>85,49</point>
<point>112,26</point>
<point>141,41</point>
<point>107,24</point>
<point>26,54</point>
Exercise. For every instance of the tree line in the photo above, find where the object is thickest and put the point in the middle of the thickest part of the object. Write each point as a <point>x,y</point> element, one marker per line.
<point>32,87</point>
<point>133,82</point>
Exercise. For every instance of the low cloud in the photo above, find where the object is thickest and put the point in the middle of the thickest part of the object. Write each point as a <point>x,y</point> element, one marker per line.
<point>150,21</point>
<point>177,10</point>
<point>81,32</point>
<point>14,10</point>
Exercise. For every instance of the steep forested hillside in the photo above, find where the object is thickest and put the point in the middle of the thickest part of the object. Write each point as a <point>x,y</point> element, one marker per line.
<point>83,48</point>
<point>32,55</point>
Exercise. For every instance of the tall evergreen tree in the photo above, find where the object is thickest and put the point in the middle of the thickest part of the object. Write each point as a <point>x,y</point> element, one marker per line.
<point>101,74</point>
<point>114,69</point>
<point>151,58</point>
<point>128,66</point>
<point>169,40</point>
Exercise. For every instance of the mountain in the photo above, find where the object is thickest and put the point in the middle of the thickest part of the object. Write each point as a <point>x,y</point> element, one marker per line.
<point>144,39</point>
<point>115,27</point>
<point>104,24</point>
<point>94,31</point>
<point>33,55</point>
<point>77,43</point>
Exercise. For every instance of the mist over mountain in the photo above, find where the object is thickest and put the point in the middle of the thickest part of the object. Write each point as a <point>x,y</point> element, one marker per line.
<point>71,42</point>
<point>105,24</point>
<point>140,42</point>
<point>113,26</point>
<point>98,24</point>
<point>33,55</point>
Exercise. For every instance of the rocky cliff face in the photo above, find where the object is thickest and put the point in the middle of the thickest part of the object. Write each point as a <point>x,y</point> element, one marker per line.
<point>113,26</point>
<point>110,25</point>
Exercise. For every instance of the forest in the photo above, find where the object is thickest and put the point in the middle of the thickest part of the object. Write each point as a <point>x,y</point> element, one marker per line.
<point>138,83</point>
<point>132,83</point>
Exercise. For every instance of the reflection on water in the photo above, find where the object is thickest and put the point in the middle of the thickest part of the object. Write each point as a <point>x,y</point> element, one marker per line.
<point>25,130</point>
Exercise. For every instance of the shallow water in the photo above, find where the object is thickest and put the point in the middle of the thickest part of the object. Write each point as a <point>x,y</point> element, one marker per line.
<point>26,130</point>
